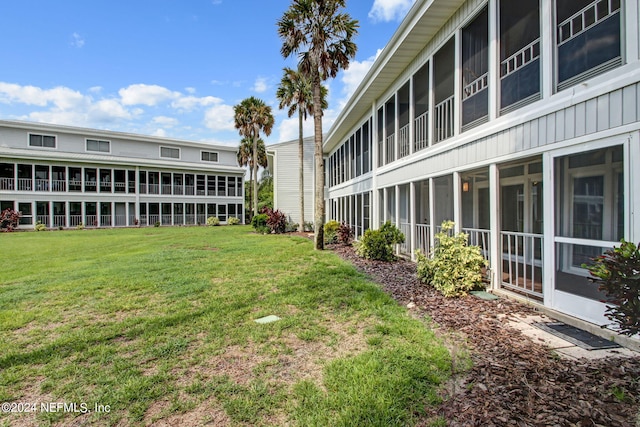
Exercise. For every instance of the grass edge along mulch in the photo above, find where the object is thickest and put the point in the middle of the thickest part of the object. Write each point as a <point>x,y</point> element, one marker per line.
<point>158,325</point>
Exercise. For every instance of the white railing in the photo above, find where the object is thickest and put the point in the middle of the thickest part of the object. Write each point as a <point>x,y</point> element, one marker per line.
<point>75,220</point>
<point>178,189</point>
<point>190,219</point>
<point>120,187</point>
<point>43,219</point>
<point>522,262</point>
<point>75,185</point>
<point>443,114</point>
<point>475,86</point>
<point>25,184</point>
<point>105,220</point>
<point>91,221</point>
<point>120,221</point>
<point>405,228</point>
<point>153,219</point>
<point>421,132</point>
<point>380,153</point>
<point>178,219</point>
<point>524,56</point>
<point>481,238</point>
<point>423,238</point>
<point>391,148</point>
<point>42,185</point>
<point>586,18</point>
<point>154,188</point>
<point>189,190</point>
<point>166,219</point>
<point>166,188</point>
<point>202,219</point>
<point>58,185</point>
<point>6,183</point>
<point>403,141</point>
<point>59,220</point>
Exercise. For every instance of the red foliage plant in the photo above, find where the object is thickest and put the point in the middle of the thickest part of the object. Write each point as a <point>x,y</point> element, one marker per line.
<point>9,219</point>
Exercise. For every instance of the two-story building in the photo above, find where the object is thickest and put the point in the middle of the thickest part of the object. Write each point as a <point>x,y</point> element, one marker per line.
<point>65,176</point>
<point>519,121</point>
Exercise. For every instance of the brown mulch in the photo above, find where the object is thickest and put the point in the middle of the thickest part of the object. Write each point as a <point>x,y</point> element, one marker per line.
<point>514,381</point>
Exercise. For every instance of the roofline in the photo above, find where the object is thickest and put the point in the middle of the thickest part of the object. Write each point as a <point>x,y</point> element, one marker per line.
<point>18,124</point>
<point>432,14</point>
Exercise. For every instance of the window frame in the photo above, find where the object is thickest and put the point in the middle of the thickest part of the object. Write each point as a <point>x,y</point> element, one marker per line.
<point>164,147</point>
<point>43,136</point>
<point>100,142</point>
<point>209,153</point>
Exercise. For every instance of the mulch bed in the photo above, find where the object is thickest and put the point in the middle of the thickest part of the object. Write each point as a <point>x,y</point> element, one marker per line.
<point>513,380</point>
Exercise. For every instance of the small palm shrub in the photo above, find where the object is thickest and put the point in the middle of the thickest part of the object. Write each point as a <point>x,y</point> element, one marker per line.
<point>455,268</point>
<point>233,221</point>
<point>617,271</point>
<point>40,226</point>
<point>331,231</point>
<point>380,244</point>
<point>213,221</point>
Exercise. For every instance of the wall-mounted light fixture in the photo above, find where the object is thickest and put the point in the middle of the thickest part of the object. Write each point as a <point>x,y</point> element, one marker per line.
<point>465,186</point>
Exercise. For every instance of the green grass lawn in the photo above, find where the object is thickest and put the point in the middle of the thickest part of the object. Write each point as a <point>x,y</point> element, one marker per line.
<point>159,324</point>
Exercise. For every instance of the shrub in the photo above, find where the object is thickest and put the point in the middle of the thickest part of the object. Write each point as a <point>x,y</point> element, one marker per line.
<point>233,221</point>
<point>213,221</point>
<point>617,271</point>
<point>379,244</point>
<point>292,227</point>
<point>455,268</point>
<point>80,226</point>
<point>276,220</point>
<point>345,234</point>
<point>331,231</point>
<point>40,226</point>
<point>9,219</point>
<point>307,226</point>
<point>157,224</point>
<point>259,223</point>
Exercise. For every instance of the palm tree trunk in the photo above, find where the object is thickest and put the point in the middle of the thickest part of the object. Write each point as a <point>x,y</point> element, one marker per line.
<point>319,163</point>
<point>255,173</point>
<point>301,169</point>
<point>250,190</point>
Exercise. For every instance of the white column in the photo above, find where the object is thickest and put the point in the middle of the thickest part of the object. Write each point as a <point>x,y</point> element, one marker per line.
<point>631,25</point>
<point>547,47</point>
<point>494,61</point>
<point>457,81</point>
<point>432,212</point>
<point>412,217</point>
<point>548,245</point>
<point>457,202</point>
<point>412,114</point>
<point>494,225</point>
<point>431,104</point>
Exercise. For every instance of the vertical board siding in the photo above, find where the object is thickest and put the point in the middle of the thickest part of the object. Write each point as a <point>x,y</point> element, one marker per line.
<point>629,105</point>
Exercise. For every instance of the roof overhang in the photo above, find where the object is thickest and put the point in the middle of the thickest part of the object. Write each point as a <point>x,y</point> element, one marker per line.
<point>421,24</point>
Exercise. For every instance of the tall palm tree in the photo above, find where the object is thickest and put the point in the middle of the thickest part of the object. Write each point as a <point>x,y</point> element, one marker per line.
<point>295,92</point>
<point>245,158</point>
<point>251,116</point>
<point>321,35</point>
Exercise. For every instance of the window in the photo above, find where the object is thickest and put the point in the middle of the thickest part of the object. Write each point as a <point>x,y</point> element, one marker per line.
<point>209,156</point>
<point>519,53</point>
<point>588,39</point>
<point>443,67</point>
<point>475,71</point>
<point>46,141</point>
<point>97,145</point>
<point>171,153</point>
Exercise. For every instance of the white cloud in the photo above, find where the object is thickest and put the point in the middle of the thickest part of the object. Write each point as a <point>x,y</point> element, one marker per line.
<point>77,40</point>
<point>389,10</point>
<point>142,94</point>
<point>352,76</point>
<point>219,118</point>
<point>160,133</point>
<point>188,103</point>
<point>288,128</point>
<point>260,85</point>
<point>165,121</point>
<point>31,95</point>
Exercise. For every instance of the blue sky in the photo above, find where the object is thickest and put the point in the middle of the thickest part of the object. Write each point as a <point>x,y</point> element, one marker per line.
<point>172,68</point>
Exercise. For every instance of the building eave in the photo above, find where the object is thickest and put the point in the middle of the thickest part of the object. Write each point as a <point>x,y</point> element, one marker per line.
<point>421,24</point>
